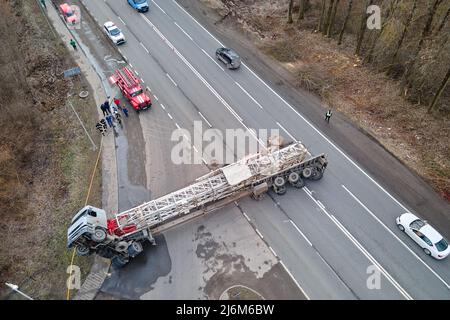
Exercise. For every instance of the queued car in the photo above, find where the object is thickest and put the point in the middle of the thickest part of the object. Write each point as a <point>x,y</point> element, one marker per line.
<point>68,13</point>
<point>431,241</point>
<point>139,5</point>
<point>113,33</point>
<point>229,57</point>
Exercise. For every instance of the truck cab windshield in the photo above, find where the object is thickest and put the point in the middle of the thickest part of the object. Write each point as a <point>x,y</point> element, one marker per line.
<point>134,94</point>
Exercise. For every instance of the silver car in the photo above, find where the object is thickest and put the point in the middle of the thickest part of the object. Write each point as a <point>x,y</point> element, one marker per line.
<point>229,57</point>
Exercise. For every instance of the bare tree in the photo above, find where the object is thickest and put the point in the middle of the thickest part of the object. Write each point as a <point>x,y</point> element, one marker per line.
<point>443,21</point>
<point>322,13</point>
<point>328,18</point>
<point>333,16</point>
<point>405,30</point>
<point>301,10</point>
<point>291,5</point>
<point>349,9</point>
<point>439,92</point>
<point>362,27</point>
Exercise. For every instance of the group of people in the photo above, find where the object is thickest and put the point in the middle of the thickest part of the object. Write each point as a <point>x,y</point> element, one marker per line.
<point>111,114</point>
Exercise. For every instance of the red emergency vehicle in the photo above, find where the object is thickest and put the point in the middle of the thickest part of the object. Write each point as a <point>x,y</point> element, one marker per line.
<point>131,89</point>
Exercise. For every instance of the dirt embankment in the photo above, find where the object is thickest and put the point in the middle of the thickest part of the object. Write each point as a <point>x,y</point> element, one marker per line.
<point>370,98</point>
<point>45,157</point>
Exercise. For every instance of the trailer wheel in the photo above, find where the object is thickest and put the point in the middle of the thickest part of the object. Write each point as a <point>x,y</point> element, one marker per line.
<point>280,190</point>
<point>279,181</point>
<point>99,235</point>
<point>307,172</point>
<point>119,262</point>
<point>82,250</point>
<point>299,184</point>
<point>293,177</point>
<point>135,248</point>
<point>121,246</point>
<point>317,174</point>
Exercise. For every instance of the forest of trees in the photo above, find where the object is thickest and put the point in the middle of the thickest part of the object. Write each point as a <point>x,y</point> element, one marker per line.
<point>411,45</point>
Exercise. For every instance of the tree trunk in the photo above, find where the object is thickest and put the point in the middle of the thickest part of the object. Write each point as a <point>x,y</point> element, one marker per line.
<point>319,26</point>
<point>404,32</point>
<point>301,10</point>
<point>362,27</point>
<point>439,92</point>
<point>349,9</point>
<point>291,5</point>
<point>333,16</point>
<point>327,21</point>
<point>389,15</point>
<point>443,22</point>
<point>425,33</point>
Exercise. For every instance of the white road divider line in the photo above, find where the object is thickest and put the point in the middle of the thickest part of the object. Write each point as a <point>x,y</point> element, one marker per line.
<point>156,98</point>
<point>170,78</point>
<point>400,289</point>
<point>187,34</point>
<point>204,161</point>
<point>159,7</point>
<point>259,233</point>
<point>122,21</point>
<point>273,251</point>
<point>131,66</point>
<point>142,80</point>
<point>142,45</point>
<point>212,59</point>
<point>287,132</point>
<point>170,116</point>
<point>249,95</point>
<point>295,280</point>
<point>395,236</point>
<point>149,89</point>
<point>246,216</point>
<point>199,76</point>
<point>195,149</point>
<point>136,73</point>
<point>162,106</point>
<point>203,117</point>
<point>299,231</point>
<point>320,204</point>
<point>176,125</point>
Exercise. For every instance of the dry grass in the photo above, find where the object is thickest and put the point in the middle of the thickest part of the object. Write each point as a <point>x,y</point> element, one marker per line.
<point>45,157</point>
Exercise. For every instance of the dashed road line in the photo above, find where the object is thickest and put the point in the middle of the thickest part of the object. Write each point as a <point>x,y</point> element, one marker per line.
<point>249,95</point>
<point>142,45</point>
<point>173,81</point>
<point>203,117</point>
<point>187,34</point>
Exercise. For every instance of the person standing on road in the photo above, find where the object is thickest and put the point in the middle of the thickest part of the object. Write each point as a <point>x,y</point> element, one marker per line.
<point>102,107</point>
<point>125,110</point>
<point>117,103</point>
<point>328,115</point>
<point>73,44</point>
<point>43,4</point>
<point>107,106</point>
<point>109,118</point>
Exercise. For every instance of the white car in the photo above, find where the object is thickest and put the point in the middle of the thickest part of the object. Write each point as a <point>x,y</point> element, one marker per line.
<point>113,32</point>
<point>431,241</point>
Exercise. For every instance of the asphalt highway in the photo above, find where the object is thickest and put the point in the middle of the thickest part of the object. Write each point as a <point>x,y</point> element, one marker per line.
<point>334,234</point>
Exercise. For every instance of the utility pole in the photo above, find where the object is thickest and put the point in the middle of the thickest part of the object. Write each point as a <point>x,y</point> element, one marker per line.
<point>15,288</point>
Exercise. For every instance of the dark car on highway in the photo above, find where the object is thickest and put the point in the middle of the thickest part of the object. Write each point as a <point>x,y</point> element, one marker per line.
<point>229,57</point>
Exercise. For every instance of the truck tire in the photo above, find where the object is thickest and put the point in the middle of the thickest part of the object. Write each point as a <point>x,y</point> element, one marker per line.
<point>293,177</point>
<point>99,235</point>
<point>280,190</point>
<point>279,181</point>
<point>121,246</point>
<point>119,262</point>
<point>307,172</point>
<point>135,248</point>
<point>82,250</point>
<point>317,174</point>
<point>299,184</point>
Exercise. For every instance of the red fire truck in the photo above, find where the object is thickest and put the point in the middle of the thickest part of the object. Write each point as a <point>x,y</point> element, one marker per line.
<point>131,88</point>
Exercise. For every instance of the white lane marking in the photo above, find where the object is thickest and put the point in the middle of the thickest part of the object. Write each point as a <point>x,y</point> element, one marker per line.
<point>156,98</point>
<point>187,34</point>
<point>198,23</point>
<point>159,7</point>
<point>363,250</point>
<point>287,132</point>
<point>249,95</point>
<point>126,59</point>
<point>259,233</point>
<point>131,66</point>
<point>122,21</point>
<point>173,81</point>
<point>212,59</point>
<point>176,124</point>
<point>142,45</point>
<point>149,89</point>
<point>136,73</point>
<point>300,231</point>
<point>395,236</point>
<point>204,161</point>
<point>320,204</point>
<point>295,280</point>
<point>170,116</point>
<point>273,251</point>
<point>202,79</point>
<point>196,150</point>
<point>203,117</point>
<point>162,106</point>
<point>143,81</point>
<point>246,216</point>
